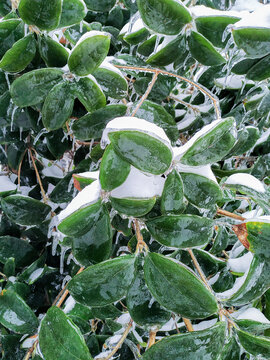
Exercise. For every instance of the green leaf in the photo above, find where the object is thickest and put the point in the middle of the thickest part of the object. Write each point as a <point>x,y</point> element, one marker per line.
<point>73,11</point>
<point>104,283</point>
<point>112,82</point>
<point>113,170</point>
<point>89,93</point>
<point>200,190</point>
<point>205,344</point>
<point>147,47</point>
<point>20,250</point>
<point>52,52</point>
<point>100,5</point>
<point>89,53</point>
<point>60,338</point>
<point>255,345</point>
<point>32,88</point>
<point>142,151</point>
<point>181,231</point>
<point>10,32</point>
<point>133,206</point>
<point>255,284</point>
<point>212,27</point>
<point>92,125</point>
<point>15,314</point>
<point>177,288</point>
<point>212,145</point>
<point>253,40</point>
<point>95,245</point>
<point>80,221</point>
<point>231,350</point>
<point>164,16</point>
<point>172,199</point>
<point>137,36</point>
<point>25,210</point>
<point>247,138</point>
<point>58,106</point>
<point>260,70</point>
<point>20,55</point>
<point>34,271</point>
<point>156,114</point>
<point>43,14</point>
<point>81,180</point>
<point>203,50</point>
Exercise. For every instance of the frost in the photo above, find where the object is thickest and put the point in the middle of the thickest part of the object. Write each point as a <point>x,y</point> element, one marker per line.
<point>246,180</point>
<point>89,195</point>
<point>6,184</point>
<point>205,171</point>
<point>140,185</point>
<point>201,10</point>
<point>241,264</point>
<point>251,314</point>
<point>136,124</point>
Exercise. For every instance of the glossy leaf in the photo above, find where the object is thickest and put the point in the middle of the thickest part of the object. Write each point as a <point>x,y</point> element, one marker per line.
<point>20,250</point>
<point>212,145</point>
<point>112,83</point>
<point>25,210</point>
<point>200,190</point>
<point>133,206</point>
<point>104,283</point>
<point>32,88</point>
<point>205,344</point>
<point>58,106</point>
<point>255,345</point>
<point>113,170</point>
<point>73,11</point>
<point>177,288</point>
<point>89,93</point>
<point>142,151</point>
<point>260,70</point>
<point>52,52</point>
<point>90,126</point>
<point>44,15</point>
<point>20,55</point>
<point>181,231</point>
<point>247,138</point>
<point>60,338</point>
<point>10,32</point>
<point>253,40</point>
<point>136,37</point>
<point>231,350</point>
<point>15,314</point>
<point>164,16</point>
<point>172,199</point>
<point>203,51</point>
<point>100,5</point>
<point>89,53</point>
<point>95,245</point>
<point>80,221</point>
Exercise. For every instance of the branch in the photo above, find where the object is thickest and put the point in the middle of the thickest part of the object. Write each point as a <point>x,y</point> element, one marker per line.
<point>199,269</point>
<point>212,97</point>
<point>45,199</point>
<point>152,338</point>
<point>188,324</point>
<point>230,215</point>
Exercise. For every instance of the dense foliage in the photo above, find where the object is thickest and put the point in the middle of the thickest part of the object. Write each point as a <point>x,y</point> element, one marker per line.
<point>135,172</point>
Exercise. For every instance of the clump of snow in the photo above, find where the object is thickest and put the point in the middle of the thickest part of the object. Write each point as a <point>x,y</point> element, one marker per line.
<point>201,10</point>
<point>237,285</point>
<point>6,184</point>
<point>205,171</point>
<point>70,303</point>
<point>244,5</point>
<point>260,18</point>
<point>89,195</point>
<point>139,185</point>
<point>251,314</point>
<point>135,124</point>
<point>233,82</point>
<point>246,180</point>
<point>204,324</point>
<point>90,34</point>
<point>241,264</point>
<point>108,66</point>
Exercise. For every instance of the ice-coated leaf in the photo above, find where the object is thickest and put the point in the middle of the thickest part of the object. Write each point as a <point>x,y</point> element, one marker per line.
<point>82,180</point>
<point>90,126</point>
<point>113,170</point>
<point>43,14</point>
<point>172,199</point>
<point>253,40</point>
<point>25,210</point>
<point>89,93</point>
<point>210,144</point>
<point>247,138</point>
<point>89,53</point>
<point>58,106</point>
<point>52,52</point>
<point>103,283</point>
<point>181,231</point>
<point>15,314</point>
<point>10,32</point>
<point>200,190</point>
<point>261,70</point>
<point>60,338</point>
<point>164,16</point>
<point>100,5</point>
<point>95,245</point>
<point>132,206</point>
<point>203,51</point>
<point>20,250</point>
<point>231,350</point>
<point>32,88</point>
<point>205,344</point>
<point>20,55</point>
<point>255,345</point>
<point>177,288</point>
<point>73,11</point>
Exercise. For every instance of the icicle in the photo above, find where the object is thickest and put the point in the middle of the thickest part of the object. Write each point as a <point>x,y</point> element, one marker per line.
<point>91,145</point>
<point>7,79</point>
<point>70,184</point>
<point>3,150</point>
<point>64,249</point>
<point>21,131</point>
<point>117,238</point>
<point>42,132</point>
<point>39,118</point>
<point>71,257</point>
<point>151,302</point>
<point>12,117</point>
<point>54,245</point>
<point>65,281</point>
<point>81,27</point>
<point>25,29</point>
<point>122,249</point>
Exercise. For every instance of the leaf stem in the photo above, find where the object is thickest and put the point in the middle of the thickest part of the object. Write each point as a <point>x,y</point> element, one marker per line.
<point>45,199</point>
<point>199,269</point>
<point>152,338</point>
<point>140,242</point>
<point>231,215</point>
<point>188,324</point>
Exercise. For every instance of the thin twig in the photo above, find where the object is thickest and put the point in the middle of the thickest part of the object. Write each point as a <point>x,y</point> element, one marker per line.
<point>45,199</point>
<point>199,269</point>
<point>230,215</point>
<point>194,108</point>
<point>202,89</point>
<point>140,242</point>
<point>188,324</point>
<point>152,337</point>
<point>31,350</point>
<point>150,86</point>
<point>120,342</point>
<point>20,168</point>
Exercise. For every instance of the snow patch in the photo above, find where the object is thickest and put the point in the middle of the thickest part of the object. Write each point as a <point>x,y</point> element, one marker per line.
<point>251,314</point>
<point>246,180</point>
<point>241,264</point>
<point>205,171</point>
<point>6,184</point>
<point>260,18</point>
<point>201,10</point>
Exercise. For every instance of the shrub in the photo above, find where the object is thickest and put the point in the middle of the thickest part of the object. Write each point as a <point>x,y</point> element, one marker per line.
<point>134,180</point>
